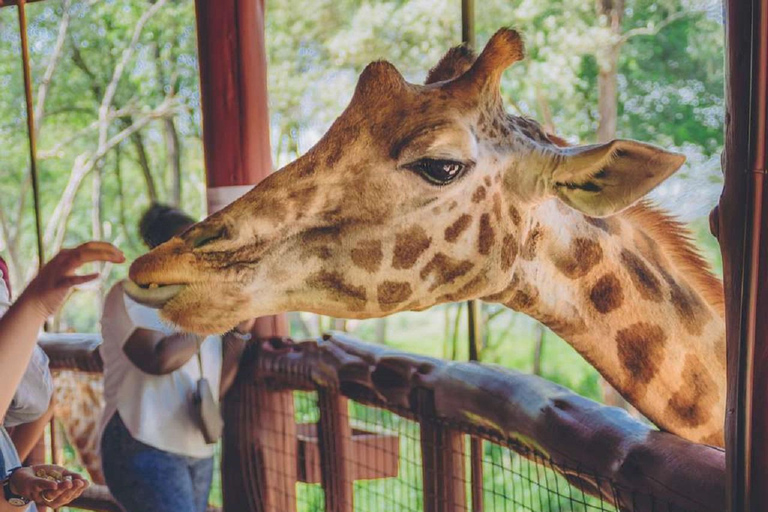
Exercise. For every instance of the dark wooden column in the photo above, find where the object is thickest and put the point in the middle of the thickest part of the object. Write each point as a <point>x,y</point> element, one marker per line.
<point>740,224</point>
<point>442,460</point>
<point>259,460</point>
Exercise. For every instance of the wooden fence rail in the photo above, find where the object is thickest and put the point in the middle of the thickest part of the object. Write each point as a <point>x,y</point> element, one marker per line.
<point>600,450</point>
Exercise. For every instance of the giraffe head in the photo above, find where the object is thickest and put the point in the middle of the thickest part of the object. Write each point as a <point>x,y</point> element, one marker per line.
<point>416,195</point>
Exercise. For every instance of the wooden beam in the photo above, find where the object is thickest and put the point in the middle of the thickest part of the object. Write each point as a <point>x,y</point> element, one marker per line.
<point>9,3</point>
<point>744,252</point>
<point>442,454</point>
<point>336,457</point>
<point>259,467</point>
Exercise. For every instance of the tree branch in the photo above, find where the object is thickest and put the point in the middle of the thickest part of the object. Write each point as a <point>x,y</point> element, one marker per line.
<point>652,30</point>
<point>85,163</point>
<point>42,91</point>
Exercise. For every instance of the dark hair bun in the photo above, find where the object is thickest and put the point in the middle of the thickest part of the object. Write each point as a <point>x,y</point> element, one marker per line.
<point>161,222</point>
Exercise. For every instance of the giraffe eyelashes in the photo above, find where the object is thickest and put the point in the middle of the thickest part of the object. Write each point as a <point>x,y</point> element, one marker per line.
<point>438,171</point>
<point>206,238</point>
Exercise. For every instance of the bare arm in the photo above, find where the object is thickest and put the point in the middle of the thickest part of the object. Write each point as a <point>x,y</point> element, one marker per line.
<point>156,353</point>
<point>42,298</point>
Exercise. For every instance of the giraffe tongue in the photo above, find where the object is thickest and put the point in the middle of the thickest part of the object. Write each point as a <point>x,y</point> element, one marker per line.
<point>154,297</point>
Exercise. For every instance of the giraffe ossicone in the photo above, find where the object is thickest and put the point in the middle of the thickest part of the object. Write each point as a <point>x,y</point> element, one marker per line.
<point>424,194</point>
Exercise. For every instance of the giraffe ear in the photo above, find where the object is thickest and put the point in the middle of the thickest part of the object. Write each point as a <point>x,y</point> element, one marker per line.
<point>454,63</point>
<point>603,179</point>
<point>503,49</point>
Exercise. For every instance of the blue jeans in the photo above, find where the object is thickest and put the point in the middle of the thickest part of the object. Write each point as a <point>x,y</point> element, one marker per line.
<point>145,479</point>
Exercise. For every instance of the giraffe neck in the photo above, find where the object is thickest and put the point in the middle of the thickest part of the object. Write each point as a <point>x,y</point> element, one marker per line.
<point>631,307</point>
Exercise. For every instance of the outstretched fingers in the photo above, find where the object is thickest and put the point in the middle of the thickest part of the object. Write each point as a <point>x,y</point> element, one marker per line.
<point>90,252</point>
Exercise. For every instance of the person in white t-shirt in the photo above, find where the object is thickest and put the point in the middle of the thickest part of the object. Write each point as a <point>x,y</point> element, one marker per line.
<point>154,454</point>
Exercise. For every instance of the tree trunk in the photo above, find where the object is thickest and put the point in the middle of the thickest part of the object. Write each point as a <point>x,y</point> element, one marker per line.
<point>141,153</point>
<point>381,331</point>
<point>303,327</point>
<point>170,134</point>
<point>174,158</point>
<point>607,79</point>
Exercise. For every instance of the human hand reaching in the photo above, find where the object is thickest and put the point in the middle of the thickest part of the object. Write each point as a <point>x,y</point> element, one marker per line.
<point>48,485</point>
<point>49,288</point>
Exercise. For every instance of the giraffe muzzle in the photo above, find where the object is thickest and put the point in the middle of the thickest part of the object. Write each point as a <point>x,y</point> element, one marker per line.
<point>153,296</point>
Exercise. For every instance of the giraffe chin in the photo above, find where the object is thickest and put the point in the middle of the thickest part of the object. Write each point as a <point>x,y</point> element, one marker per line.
<point>152,297</point>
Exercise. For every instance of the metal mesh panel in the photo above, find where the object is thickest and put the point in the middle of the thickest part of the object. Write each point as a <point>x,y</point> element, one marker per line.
<point>397,449</point>
<point>386,461</point>
<point>512,482</point>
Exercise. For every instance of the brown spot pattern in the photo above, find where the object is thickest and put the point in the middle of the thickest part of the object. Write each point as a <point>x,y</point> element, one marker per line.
<point>689,308</point>
<point>304,195</point>
<point>582,256</point>
<point>646,283</point>
<point>531,244</point>
<point>509,250</point>
<point>487,181</point>
<point>514,215</point>
<point>453,231</point>
<point>445,269</point>
<point>368,255</point>
<point>497,206</point>
<point>606,295</point>
<point>716,439</point>
<point>334,285</point>
<point>610,226</point>
<point>468,290</point>
<point>479,194</point>
<point>641,352</point>
<point>391,293</point>
<point>409,245</point>
<point>330,234</point>
<point>524,299</point>
<point>691,403</point>
<point>320,251</point>
<point>485,237</point>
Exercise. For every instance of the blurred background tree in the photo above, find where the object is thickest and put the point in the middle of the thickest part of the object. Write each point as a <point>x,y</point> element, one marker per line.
<point>117,103</point>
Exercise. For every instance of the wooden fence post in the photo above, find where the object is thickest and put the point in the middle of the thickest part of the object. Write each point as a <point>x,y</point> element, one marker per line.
<point>259,452</point>
<point>335,439</point>
<point>443,460</point>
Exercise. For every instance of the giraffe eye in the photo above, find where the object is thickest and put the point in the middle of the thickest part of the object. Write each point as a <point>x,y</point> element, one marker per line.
<point>204,238</point>
<point>438,172</point>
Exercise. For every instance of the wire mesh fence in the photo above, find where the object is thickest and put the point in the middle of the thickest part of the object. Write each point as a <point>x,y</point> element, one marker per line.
<point>385,461</point>
<point>342,426</point>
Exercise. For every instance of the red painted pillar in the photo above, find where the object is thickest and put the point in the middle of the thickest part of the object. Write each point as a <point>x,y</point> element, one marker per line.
<point>259,461</point>
<point>233,89</point>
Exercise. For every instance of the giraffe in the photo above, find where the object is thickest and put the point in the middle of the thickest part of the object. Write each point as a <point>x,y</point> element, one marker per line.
<point>79,402</point>
<point>423,194</point>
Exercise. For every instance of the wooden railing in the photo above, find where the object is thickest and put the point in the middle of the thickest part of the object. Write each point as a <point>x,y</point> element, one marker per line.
<point>599,450</point>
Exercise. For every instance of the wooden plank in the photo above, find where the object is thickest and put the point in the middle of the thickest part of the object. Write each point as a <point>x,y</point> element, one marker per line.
<point>366,447</point>
<point>259,449</point>
<point>442,452</point>
<point>745,433</point>
<point>9,3</point>
<point>335,440</point>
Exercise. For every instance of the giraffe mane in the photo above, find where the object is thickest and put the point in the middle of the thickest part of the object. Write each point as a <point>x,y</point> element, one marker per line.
<point>676,240</point>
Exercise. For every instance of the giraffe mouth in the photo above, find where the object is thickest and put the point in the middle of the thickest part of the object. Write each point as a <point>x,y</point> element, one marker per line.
<point>153,296</point>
